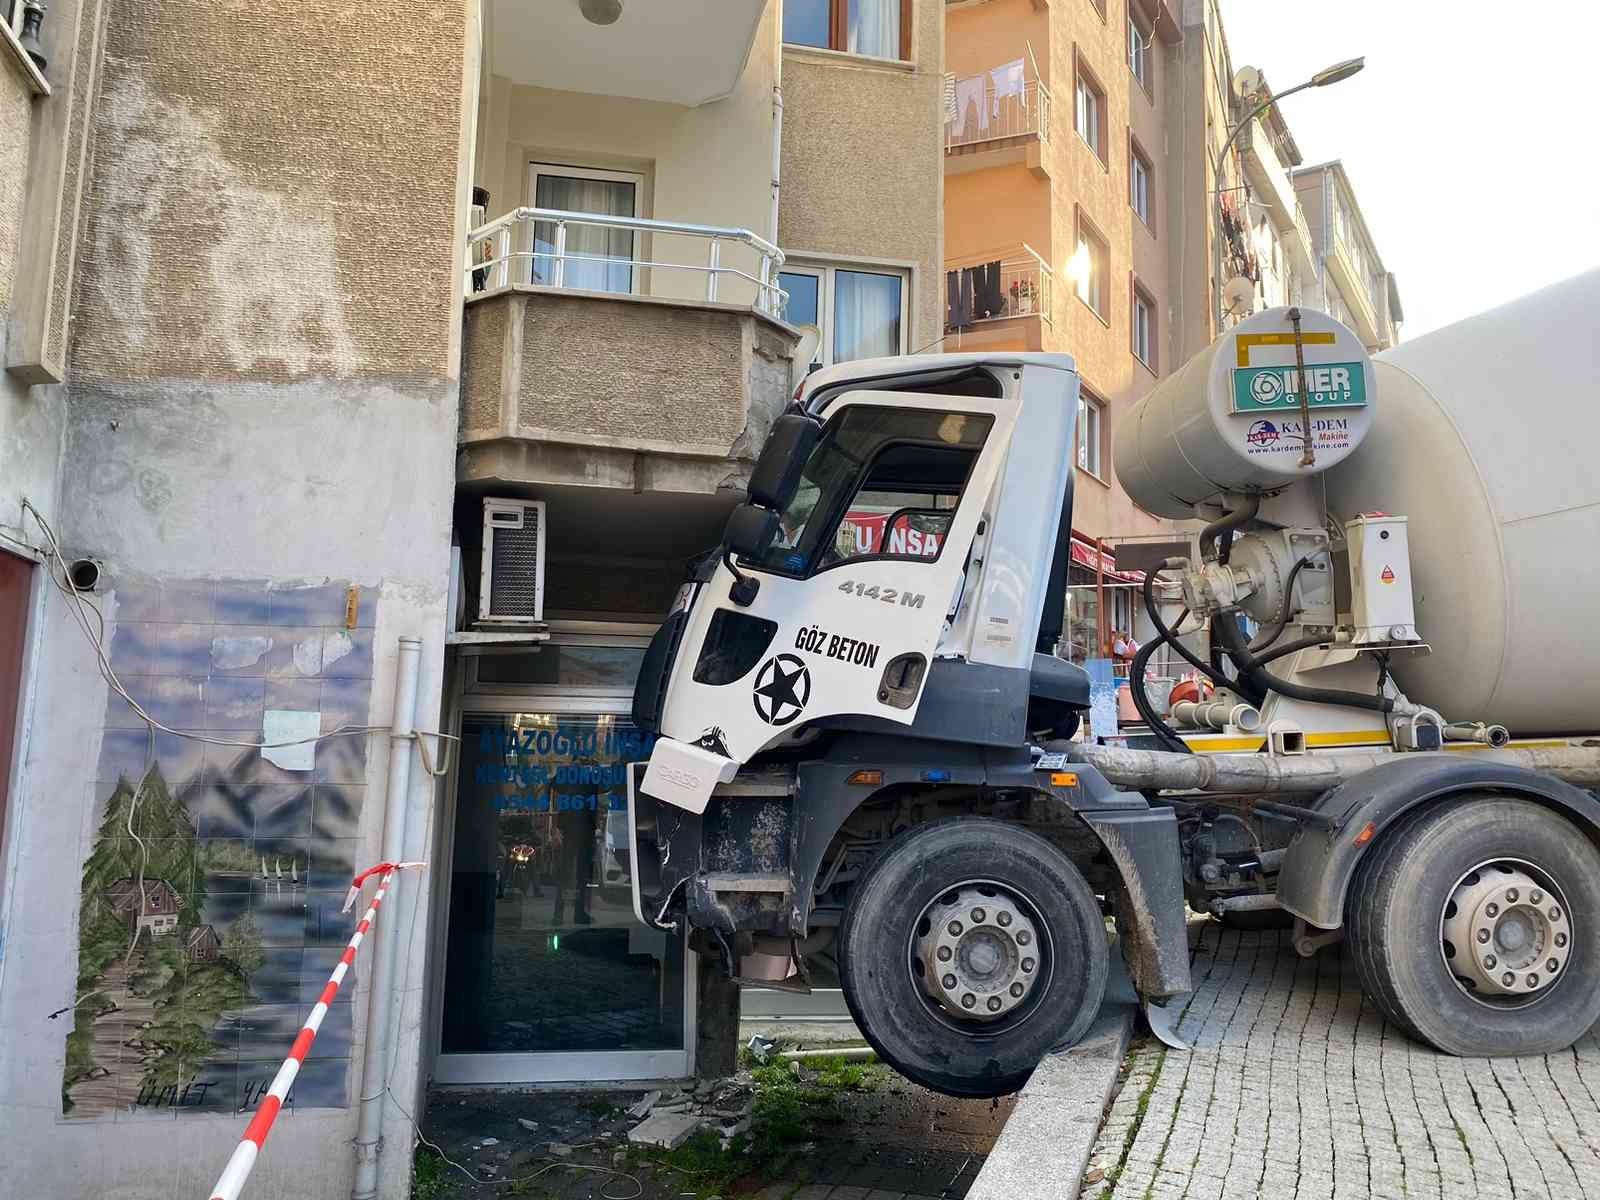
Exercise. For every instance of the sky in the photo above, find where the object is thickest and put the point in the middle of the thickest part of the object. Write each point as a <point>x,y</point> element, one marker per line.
<point>1469,137</point>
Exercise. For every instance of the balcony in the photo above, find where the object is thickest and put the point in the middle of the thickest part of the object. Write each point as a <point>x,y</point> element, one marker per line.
<point>1347,265</point>
<point>686,52</point>
<point>1267,162</point>
<point>998,302</point>
<point>987,125</point>
<point>619,352</point>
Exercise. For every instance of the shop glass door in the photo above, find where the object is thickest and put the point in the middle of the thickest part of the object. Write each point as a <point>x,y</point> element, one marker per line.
<point>548,975</point>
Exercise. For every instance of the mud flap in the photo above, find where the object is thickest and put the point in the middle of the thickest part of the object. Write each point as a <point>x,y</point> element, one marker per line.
<point>1143,843</point>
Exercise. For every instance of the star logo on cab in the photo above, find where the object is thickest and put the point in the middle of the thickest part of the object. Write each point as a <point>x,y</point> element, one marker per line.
<point>783,687</point>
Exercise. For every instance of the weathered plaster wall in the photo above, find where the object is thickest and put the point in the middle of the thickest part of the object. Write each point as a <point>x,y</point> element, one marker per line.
<point>863,161</point>
<point>263,397</point>
<point>16,106</point>
<point>273,192</point>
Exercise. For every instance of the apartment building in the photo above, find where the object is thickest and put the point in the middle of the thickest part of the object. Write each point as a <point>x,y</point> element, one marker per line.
<point>1349,279</point>
<point>288,297</point>
<point>1057,226</point>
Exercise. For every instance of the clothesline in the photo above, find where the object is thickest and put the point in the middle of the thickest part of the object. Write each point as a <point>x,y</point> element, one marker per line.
<point>981,94</point>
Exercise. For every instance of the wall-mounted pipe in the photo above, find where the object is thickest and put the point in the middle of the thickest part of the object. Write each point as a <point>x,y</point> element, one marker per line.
<point>381,1004</point>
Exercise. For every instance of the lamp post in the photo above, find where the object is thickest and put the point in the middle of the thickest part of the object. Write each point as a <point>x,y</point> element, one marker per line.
<point>1334,74</point>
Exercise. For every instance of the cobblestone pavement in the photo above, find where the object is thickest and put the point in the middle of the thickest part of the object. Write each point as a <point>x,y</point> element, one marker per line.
<point>1297,1088</point>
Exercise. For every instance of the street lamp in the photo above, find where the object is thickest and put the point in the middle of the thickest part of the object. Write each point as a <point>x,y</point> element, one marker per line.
<point>1334,74</point>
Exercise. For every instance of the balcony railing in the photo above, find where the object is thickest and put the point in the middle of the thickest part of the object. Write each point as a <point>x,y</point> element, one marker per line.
<point>1017,284</point>
<point>976,114</point>
<point>547,247</point>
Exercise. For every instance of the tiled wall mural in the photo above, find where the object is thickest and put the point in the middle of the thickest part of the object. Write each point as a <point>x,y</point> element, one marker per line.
<point>211,888</point>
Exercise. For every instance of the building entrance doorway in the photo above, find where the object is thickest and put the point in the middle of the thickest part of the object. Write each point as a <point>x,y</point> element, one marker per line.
<point>548,974</point>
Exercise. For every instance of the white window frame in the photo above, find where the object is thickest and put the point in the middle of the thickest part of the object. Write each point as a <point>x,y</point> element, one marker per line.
<point>1091,464</point>
<point>1138,53</point>
<point>1099,266</point>
<point>824,273</point>
<point>1143,327</point>
<point>1086,108</point>
<point>573,171</point>
<point>1138,173</point>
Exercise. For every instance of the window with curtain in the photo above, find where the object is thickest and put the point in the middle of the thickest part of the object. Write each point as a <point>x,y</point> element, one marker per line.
<point>879,28</point>
<point>597,259</point>
<point>866,315</point>
<point>859,312</point>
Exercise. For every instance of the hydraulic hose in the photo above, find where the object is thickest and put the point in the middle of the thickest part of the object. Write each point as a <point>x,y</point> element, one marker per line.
<point>1165,734</point>
<point>1267,637</point>
<point>1288,648</point>
<point>1227,523</point>
<point>1227,632</point>
<point>1166,635</point>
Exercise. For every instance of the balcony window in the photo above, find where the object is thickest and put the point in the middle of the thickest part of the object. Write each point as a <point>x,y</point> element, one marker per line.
<point>877,28</point>
<point>1139,171</point>
<point>1138,52</point>
<point>860,313</point>
<point>1144,326</point>
<point>1088,268</point>
<point>1091,433</point>
<point>595,258</point>
<point>1089,112</point>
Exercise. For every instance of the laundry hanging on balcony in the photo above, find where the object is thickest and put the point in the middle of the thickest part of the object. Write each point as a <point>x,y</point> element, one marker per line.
<point>969,94</point>
<point>958,299</point>
<point>1009,81</point>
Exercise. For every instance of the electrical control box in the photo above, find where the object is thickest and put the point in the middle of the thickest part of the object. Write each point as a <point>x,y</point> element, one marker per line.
<point>1381,604</point>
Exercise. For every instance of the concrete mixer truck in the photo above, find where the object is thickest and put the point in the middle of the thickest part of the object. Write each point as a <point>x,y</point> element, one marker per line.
<point>867,747</point>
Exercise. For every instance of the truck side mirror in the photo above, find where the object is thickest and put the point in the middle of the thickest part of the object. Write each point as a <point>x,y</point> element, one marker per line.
<point>788,449</point>
<point>750,530</point>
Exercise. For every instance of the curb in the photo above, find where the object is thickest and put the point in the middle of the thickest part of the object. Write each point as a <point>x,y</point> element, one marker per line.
<point>1043,1150</point>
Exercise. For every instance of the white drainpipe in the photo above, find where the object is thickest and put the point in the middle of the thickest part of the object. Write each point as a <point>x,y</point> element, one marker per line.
<point>381,1005</point>
<point>777,123</point>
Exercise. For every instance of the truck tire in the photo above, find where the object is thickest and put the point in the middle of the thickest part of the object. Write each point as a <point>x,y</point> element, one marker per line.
<point>1475,927</point>
<point>970,949</point>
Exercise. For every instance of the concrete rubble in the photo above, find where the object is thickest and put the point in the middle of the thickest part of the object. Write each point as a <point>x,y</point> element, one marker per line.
<point>672,1117</point>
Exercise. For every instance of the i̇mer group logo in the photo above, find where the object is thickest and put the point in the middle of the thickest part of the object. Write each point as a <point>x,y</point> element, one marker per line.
<point>1266,388</point>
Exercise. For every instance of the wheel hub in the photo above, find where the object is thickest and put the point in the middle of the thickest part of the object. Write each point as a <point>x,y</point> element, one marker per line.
<point>979,953</point>
<point>1505,934</point>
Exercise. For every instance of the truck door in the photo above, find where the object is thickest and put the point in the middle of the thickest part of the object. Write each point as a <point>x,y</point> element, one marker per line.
<point>871,556</point>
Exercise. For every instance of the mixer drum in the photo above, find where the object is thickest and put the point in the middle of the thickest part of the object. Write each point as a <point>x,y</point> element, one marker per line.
<point>1486,435</point>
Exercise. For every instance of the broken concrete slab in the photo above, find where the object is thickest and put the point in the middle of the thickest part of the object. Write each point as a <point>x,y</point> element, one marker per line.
<point>666,1130</point>
<point>645,1104</point>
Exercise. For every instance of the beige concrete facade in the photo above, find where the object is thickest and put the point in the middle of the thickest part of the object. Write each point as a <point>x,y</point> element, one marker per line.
<point>1350,280</point>
<point>863,180</point>
<point>1047,191</point>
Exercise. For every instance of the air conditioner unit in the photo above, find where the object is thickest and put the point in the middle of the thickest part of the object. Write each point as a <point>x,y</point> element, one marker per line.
<point>512,589</point>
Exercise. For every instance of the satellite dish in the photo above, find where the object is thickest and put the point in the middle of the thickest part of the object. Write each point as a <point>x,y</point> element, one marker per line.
<point>1239,296</point>
<point>804,352</point>
<point>1248,81</point>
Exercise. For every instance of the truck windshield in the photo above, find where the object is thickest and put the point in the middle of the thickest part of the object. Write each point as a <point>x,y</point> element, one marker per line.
<point>921,457</point>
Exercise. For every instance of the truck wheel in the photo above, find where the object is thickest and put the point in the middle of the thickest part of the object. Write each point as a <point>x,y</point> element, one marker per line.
<point>1476,927</point>
<point>970,949</point>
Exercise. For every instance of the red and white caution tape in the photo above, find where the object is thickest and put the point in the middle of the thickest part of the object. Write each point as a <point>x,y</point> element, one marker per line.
<point>239,1166</point>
